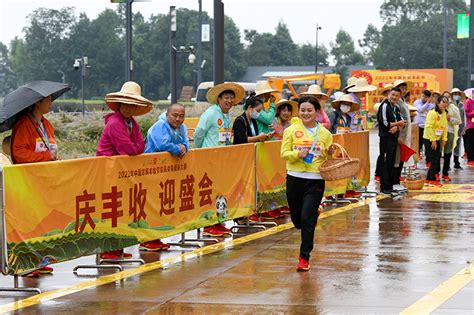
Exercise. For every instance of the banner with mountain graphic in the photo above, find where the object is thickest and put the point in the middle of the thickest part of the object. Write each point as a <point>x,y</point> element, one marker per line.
<point>58,211</point>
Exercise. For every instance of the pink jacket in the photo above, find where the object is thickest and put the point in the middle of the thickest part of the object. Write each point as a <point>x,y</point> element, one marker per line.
<point>469,110</point>
<point>323,118</point>
<point>116,139</point>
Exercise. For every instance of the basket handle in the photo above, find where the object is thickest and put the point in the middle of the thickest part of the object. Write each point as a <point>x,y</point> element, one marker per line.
<point>343,150</point>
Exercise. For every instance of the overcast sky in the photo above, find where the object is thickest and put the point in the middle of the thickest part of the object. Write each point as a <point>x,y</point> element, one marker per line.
<point>301,16</point>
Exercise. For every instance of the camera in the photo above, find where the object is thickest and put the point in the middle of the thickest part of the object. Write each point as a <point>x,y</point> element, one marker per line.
<point>77,64</point>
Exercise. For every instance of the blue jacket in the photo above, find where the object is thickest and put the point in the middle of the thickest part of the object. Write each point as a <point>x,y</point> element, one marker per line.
<point>161,137</point>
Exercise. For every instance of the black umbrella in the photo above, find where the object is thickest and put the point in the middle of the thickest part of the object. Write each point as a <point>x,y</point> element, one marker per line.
<point>26,96</point>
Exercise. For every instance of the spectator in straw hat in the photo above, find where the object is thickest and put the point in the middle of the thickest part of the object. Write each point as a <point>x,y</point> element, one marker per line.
<point>215,128</point>
<point>350,84</point>
<point>121,134</point>
<point>286,109</point>
<point>315,91</point>
<point>264,91</point>
<point>339,118</point>
<point>458,97</point>
<point>358,91</point>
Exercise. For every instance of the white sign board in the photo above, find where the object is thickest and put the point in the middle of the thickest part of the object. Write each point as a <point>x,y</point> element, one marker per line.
<point>206,32</point>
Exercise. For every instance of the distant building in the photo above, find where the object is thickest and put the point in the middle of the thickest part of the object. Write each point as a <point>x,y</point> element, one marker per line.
<point>257,73</point>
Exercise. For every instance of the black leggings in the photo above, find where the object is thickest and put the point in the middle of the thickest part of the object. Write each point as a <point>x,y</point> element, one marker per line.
<point>434,157</point>
<point>304,197</point>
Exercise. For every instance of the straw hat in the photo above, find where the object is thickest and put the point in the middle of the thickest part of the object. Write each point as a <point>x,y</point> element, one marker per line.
<point>400,82</point>
<point>350,83</point>
<point>215,91</point>
<point>315,89</point>
<point>456,90</point>
<point>436,92</point>
<point>345,98</point>
<point>294,106</point>
<point>7,145</point>
<point>263,87</point>
<point>361,85</point>
<point>386,87</point>
<point>129,94</point>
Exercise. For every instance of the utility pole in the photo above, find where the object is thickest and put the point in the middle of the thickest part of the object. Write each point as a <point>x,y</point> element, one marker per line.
<point>218,42</point>
<point>445,35</point>
<point>173,85</point>
<point>128,31</point>
<point>199,52</point>
<point>317,59</point>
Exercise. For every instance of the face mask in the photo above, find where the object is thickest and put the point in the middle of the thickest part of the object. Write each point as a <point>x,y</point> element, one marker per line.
<point>457,98</point>
<point>254,115</point>
<point>345,108</point>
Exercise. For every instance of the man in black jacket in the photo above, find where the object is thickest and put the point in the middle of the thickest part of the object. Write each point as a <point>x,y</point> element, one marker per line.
<point>390,122</point>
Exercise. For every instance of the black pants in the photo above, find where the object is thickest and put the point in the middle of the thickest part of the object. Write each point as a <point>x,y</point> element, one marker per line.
<point>304,197</point>
<point>388,150</point>
<point>435,156</point>
<point>469,139</point>
<point>397,173</point>
<point>377,166</point>
<point>421,130</point>
<point>446,162</point>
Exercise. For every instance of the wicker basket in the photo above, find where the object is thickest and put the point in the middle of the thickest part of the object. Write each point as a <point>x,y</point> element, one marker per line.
<point>341,167</point>
<point>414,184</point>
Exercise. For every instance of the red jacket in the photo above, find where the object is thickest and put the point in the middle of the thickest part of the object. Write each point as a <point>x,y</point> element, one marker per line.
<point>117,140</point>
<point>28,146</point>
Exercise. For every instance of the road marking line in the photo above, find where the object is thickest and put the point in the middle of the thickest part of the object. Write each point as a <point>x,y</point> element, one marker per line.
<point>441,293</point>
<point>54,294</point>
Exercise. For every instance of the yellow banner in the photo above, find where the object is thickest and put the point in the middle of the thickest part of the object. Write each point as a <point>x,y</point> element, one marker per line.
<point>271,170</point>
<point>62,210</point>
<point>271,176</point>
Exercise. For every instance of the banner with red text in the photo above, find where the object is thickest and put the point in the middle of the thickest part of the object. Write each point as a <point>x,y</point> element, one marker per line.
<point>58,211</point>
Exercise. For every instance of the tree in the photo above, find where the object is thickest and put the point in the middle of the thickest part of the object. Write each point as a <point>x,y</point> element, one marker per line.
<point>412,37</point>
<point>345,54</point>
<point>307,55</point>
<point>7,76</point>
<point>42,52</point>
<point>370,42</point>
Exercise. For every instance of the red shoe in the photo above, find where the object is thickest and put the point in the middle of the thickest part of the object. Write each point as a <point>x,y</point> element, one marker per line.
<point>277,213</point>
<point>437,177</point>
<point>267,215</point>
<point>33,274</point>
<point>303,265</point>
<point>114,254</point>
<point>377,178</point>
<point>446,178</point>
<point>45,270</point>
<point>285,210</point>
<point>254,218</point>
<point>434,183</point>
<point>352,194</point>
<point>222,228</point>
<point>154,246</point>
<point>213,231</point>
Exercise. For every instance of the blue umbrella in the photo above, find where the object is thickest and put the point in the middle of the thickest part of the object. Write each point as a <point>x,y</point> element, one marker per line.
<point>25,96</point>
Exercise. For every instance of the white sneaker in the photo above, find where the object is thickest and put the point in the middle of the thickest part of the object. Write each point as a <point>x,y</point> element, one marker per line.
<point>399,188</point>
